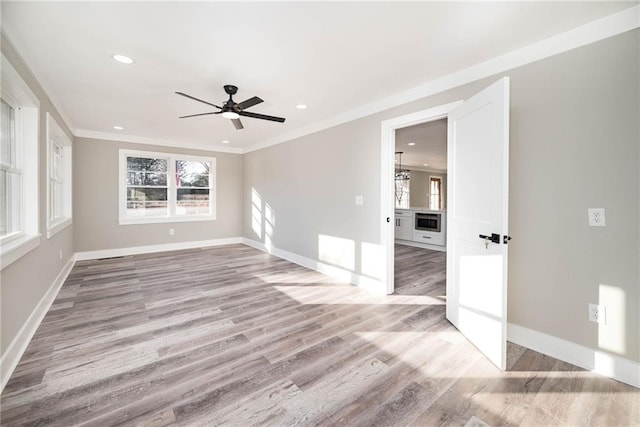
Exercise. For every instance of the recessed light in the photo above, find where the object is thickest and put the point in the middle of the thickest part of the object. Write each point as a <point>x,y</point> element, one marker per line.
<point>301,107</point>
<point>225,141</point>
<point>118,127</point>
<point>123,59</point>
<point>412,143</point>
<point>426,164</point>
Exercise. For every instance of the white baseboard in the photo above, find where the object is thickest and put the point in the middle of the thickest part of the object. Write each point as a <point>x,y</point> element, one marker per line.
<point>16,349</point>
<point>135,250</point>
<point>364,282</point>
<point>603,363</point>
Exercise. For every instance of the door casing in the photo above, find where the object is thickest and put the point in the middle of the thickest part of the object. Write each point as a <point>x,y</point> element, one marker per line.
<point>387,156</point>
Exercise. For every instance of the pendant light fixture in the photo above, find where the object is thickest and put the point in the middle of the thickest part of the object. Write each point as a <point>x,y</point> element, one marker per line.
<point>401,174</point>
<point>401,181</point>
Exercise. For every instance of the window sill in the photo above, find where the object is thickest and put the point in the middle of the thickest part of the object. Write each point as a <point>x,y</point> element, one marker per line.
<point>57,227</point>
<point>16,249</point>
<point>165,219</point>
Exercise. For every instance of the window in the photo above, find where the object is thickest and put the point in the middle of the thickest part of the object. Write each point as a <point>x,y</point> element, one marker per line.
<point>10,177</point>
<point>163,187</point>
<point>435,191</point>
<point>59,207</point>
<point>19,114</point>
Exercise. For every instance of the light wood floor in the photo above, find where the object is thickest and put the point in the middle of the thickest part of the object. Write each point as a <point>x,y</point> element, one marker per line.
<point>233,336</point>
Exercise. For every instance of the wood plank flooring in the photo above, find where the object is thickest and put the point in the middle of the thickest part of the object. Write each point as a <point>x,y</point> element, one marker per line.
<point>233,336</point>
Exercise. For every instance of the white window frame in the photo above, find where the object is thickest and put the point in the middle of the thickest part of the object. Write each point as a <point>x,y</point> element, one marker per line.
<point>57,137</point>
<point>171,215</point>
<point>26,105</point>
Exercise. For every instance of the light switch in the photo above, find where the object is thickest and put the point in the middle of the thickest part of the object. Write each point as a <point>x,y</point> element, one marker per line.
<point>359,200</point>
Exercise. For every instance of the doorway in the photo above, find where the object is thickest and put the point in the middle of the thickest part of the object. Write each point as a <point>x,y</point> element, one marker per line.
<point>420,216</point>
<point>389,128</point>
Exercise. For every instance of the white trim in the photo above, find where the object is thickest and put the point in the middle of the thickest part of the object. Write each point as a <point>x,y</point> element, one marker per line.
<point>598,361</point>
<point>56,134</point>
<point>162,219</point>
<point>28,158</point>
<point>16,349</point>
<point>609,26</point>
<point>387,148</point>
<point>135,250</point>
<point>58,227</point>
<point>118,137</point>
<point>171,216</point>
<point>366,283</point>
<point>16,249</point>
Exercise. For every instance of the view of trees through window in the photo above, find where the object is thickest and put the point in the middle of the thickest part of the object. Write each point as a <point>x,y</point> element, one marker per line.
<point>147,188</point>
<point>192,181</point>
<point>150,191</point>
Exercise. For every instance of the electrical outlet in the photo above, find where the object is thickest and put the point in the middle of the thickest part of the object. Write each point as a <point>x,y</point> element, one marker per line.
<point>596,217</point>
<point>172,232</point>
<point>598,313</point>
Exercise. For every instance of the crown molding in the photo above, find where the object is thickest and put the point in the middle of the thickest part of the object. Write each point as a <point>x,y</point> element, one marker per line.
<point>600,29</point>
<point>109,136</point>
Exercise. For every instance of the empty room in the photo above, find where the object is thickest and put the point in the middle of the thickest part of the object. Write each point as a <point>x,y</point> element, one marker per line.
<point>320,213</point>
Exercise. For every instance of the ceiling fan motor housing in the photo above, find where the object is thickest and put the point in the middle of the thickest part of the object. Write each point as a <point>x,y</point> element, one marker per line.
<point>230,89</point>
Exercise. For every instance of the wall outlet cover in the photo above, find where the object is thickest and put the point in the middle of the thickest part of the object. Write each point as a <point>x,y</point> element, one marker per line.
<point>596,217</point>
<point>598,314</point>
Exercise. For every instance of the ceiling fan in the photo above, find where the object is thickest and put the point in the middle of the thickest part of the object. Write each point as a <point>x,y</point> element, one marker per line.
<point>232,110</point>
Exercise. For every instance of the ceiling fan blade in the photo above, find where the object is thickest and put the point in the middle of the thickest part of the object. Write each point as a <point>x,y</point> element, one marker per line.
<point>196,99</point>
<point>249,103</point>
<point>262,116</point>
<point>201,114</point>
<point>237,123</point>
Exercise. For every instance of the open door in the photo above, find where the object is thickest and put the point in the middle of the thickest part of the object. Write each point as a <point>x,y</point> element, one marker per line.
<point>477,232</point>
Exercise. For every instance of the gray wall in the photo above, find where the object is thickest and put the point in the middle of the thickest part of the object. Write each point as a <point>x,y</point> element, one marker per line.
<point>574,145</point>
<point>95,200</point>
<point>419,188</point>
<point>21,285</point>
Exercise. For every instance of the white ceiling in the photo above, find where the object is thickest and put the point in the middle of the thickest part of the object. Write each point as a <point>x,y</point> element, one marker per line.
<point>429,146</point>
<point>334,56</point>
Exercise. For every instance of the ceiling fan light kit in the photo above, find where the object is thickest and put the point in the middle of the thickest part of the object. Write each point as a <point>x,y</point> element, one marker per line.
<point>230,115</point>
<point>233,110</point>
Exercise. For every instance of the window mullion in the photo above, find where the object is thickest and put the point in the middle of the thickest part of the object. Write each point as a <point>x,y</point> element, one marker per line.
<point>172,192</point>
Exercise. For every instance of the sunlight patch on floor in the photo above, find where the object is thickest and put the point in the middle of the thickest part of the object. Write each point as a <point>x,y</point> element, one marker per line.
<point>311,294</point>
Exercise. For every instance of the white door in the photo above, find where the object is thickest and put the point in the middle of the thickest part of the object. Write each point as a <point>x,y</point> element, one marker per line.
<point>478,172</point>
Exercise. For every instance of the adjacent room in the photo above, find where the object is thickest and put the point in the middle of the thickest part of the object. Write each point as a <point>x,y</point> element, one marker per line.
<point>320,213</point>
